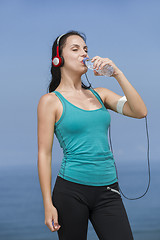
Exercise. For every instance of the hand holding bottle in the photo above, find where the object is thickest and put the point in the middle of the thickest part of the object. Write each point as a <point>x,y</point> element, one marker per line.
<point>102,66</point>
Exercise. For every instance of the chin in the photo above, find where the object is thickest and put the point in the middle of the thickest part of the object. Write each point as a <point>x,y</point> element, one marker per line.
<point>83,72</point>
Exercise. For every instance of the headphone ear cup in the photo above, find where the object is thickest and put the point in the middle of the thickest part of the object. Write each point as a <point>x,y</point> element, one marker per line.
<point>58,61</point>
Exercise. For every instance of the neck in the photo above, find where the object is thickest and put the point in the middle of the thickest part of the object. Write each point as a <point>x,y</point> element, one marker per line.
<point>70,81</point>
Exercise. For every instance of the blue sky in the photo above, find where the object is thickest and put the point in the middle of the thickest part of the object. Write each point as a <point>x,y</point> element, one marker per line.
<point>127,32</point>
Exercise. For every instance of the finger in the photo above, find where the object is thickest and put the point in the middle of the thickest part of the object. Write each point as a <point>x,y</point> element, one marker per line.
<point>94,58</point>
<point>96,63</point>
<point>103,64</point>
<point>56,225</point>
<point>99,63</point>
<point>96,73</point>
<point>50,226</point>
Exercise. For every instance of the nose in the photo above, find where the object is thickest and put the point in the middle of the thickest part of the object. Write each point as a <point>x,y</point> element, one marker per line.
<point>84,53</point>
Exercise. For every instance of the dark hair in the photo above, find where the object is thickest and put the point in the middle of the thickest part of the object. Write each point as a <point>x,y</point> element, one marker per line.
<point>55,71</point>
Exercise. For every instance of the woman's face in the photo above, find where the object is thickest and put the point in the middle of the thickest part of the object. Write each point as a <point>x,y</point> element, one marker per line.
<point>73,53</point>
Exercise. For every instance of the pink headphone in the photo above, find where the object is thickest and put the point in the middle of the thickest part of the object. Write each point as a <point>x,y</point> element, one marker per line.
<point>58,61</point>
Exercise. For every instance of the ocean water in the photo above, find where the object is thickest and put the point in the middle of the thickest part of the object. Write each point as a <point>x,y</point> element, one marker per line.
<point>22,212</point>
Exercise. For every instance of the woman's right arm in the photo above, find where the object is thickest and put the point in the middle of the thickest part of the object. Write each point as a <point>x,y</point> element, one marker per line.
<point>46,119</point>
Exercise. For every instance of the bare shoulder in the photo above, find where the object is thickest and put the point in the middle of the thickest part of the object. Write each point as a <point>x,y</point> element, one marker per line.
<point>103,92</point>
<point>47,103</point>
<point>108,97</point>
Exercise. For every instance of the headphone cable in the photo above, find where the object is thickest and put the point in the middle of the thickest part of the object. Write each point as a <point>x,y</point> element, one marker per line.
<point>148,164</point>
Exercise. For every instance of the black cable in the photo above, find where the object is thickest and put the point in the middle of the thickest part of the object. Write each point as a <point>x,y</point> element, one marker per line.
<point>115,163</point>
<point>148,164</point>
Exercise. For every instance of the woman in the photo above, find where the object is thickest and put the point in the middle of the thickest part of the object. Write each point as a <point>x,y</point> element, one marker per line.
<point>86,187</point>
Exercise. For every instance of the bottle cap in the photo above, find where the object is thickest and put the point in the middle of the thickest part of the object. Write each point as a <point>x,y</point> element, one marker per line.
<point>84,59</point>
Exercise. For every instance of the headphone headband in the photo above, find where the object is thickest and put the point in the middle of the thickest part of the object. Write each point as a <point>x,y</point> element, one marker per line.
<point>59,38</point>
<point>58,61</point>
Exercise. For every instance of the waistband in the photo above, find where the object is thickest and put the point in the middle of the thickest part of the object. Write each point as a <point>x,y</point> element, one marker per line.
<point>62,180</point>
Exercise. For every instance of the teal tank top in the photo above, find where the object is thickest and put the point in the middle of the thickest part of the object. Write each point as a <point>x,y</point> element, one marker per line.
<point>83,136</point>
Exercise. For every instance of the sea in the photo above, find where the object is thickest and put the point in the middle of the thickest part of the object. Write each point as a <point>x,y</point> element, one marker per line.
<point>22,211</point>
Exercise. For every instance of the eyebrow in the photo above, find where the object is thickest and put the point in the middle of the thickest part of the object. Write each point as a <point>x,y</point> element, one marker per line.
<point>76,45</point>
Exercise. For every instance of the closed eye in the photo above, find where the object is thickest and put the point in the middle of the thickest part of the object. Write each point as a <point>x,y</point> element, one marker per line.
<point>77,49</point>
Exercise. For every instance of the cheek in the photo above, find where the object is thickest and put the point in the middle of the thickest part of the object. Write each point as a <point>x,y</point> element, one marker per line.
<point>70,56</point>
<point>70,59</point>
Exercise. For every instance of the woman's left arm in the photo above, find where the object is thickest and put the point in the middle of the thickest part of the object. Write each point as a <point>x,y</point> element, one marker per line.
<point>134,100</point>
<point>134,107</point>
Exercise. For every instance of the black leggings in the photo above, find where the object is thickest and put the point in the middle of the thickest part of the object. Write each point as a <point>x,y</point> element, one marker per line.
<point>76,203</point>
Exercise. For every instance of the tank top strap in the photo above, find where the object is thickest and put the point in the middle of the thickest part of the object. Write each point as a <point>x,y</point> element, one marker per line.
<point>97,95</point>
<point>60,98</point>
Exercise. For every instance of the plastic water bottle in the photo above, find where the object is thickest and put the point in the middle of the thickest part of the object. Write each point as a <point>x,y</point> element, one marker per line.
<point>106,71</point>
